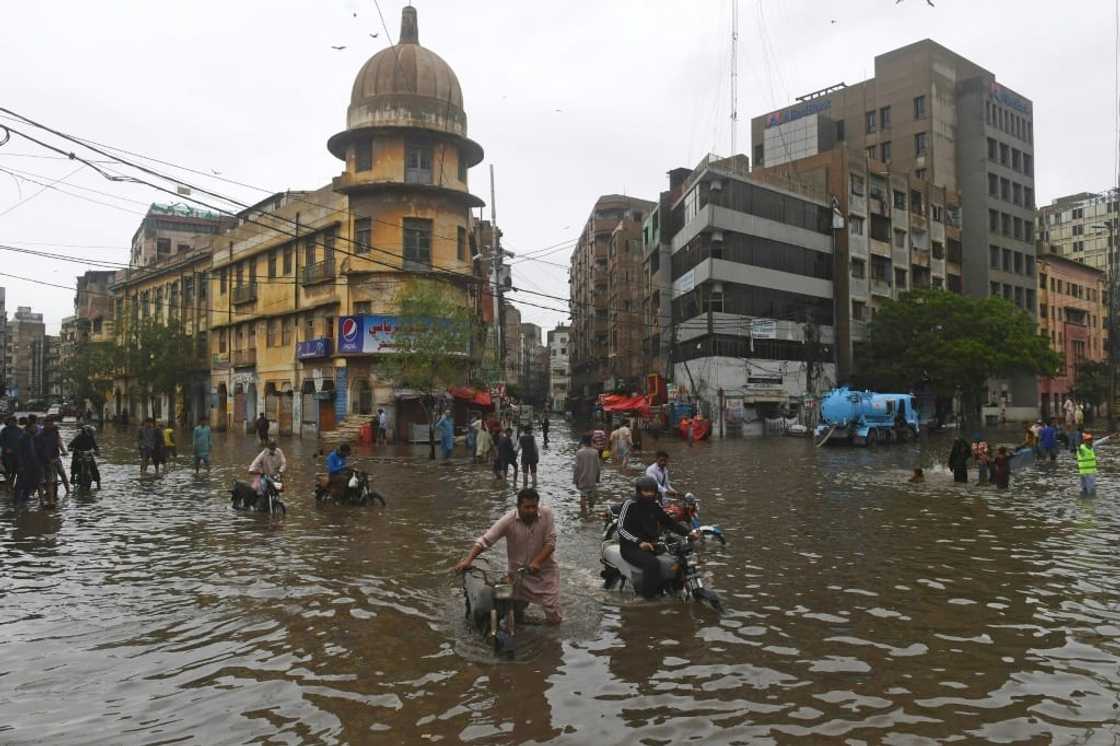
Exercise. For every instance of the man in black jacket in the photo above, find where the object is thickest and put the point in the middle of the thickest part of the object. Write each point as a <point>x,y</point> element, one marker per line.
<point>640,524</point>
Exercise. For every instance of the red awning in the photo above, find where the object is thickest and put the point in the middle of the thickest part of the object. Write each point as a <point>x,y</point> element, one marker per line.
<point>623,403</point>
<point>474,396</point>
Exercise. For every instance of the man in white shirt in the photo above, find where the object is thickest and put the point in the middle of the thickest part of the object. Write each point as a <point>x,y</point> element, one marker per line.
<point>268,462</point>
<point>659,472</point>
<point>382,426</point>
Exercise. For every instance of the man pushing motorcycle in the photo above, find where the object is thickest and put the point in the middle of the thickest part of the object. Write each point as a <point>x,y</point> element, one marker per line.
<point>530,534</point>
<point>640,523</point>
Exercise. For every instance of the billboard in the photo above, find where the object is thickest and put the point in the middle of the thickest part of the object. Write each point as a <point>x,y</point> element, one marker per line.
<point>366,333</point>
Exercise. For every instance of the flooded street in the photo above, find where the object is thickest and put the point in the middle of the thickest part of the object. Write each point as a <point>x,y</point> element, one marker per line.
<point>857,607</point>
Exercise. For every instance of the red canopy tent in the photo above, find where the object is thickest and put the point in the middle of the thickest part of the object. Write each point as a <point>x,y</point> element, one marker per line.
<point>477,397</point>
<point>623,403</point>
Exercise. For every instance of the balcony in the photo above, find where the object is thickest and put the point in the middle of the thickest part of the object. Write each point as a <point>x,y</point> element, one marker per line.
<point>244,358</point>
<point>881,287</point>
<point>319,272</point>
<point>245,294</point>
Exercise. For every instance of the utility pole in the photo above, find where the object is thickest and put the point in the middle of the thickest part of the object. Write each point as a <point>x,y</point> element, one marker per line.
<point>496,248</point>
<point>734,73</point>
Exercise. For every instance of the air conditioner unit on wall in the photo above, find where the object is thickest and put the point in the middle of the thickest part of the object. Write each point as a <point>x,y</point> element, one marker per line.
<point>717,237</point>
<point>716,185</point>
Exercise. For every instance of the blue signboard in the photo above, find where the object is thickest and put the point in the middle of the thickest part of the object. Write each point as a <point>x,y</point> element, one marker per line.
<point>796,112</point>
<point>313,348</point>
<point>366,333</point>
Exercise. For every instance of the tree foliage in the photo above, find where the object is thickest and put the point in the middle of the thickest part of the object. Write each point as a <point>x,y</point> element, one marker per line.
<point>88,372</point>
<point>1090,383</point>
<point>156,358</point>
<point>953,344</point>
<point>431,342</point>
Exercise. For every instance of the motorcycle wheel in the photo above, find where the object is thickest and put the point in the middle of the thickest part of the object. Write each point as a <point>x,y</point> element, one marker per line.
<point>709,597</point>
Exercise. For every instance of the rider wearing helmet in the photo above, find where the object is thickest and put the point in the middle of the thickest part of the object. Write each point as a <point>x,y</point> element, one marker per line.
<point>85,441</point>
<point>640,523</point>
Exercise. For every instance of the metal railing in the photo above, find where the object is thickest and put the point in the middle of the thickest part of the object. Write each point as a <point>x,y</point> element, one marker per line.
<point>242,358</point>
<point>245,293</point>
<point>318,272</point>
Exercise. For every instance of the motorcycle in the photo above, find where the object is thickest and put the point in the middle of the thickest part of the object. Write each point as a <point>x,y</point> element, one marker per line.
<point>680,576</point>
<point>492,608</point>
<point>356,492</point>
<point>686,511</point>
<point>83,471</point>
<point>246,497</point>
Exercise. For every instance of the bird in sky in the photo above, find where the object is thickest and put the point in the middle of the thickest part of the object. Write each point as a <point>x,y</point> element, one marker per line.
<point>342,46</point>
<point>373,36</point>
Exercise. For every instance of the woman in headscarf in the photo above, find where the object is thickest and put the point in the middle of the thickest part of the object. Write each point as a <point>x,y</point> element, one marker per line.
<point>958,460</point>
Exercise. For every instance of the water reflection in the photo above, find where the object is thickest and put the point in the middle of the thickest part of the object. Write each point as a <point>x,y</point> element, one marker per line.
<point>859,606</point>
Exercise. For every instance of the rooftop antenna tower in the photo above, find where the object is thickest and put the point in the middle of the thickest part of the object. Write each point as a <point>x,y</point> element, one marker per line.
<point>734,74</point>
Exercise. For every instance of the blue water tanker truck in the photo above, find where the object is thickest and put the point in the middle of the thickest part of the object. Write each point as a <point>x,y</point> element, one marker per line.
<point>866,418</point>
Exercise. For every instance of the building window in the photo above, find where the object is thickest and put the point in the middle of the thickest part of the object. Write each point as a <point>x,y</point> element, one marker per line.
<point>869,121</point>
<point>1029,267</point>
<point>885,117</point>
<point>885,150</point>
<point>855,225</point>
<point>222,281</point>
<point>1028,164</point>
<point>1006,260</point>
<point>362,228</point>
<point>461,243</point>
<point>1028,197</point>
<point>993,220</point>
<point>363,155</point>
<point>271,263</point>
<point>1028,231</point>
<point>273,339</point>
<point>1005,223</point>
<point>1018,263</point>
<point>418,164</point>
<point>920,107</point>
<point>900,279</point>
<point>363,307</point>
<point>309,253</point>
<point>418,242</point>
<point>993,289</point>
<point>1016,194</point>
<point>758,154</point>
<point>1004,154</point>
<point>859,269</point>
<point>462,166</point>
<point>287,261</point>
<point>993,253</point>
<point>899,200</point>
<point>993,185</point>
<point>899,239</point>
<point>857,185</point>
<point>859,310</point>
<point>915,201</point>
<point>163,246</point>
<point>936,210</point>
<point>1016,159</point>
<point>1078,230</point>
<point>1004,189</point>
<point>872,152</point>
<point>992,150</point>
<point>921,173</point>
<point>921,143</point>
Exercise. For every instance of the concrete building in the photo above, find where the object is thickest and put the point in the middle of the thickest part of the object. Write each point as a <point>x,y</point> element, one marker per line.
<point>5,348</point>
<point>625,290</point>
<point>93,306</point>
<point>657,328</point>
<point>52,368</point>
<point>172,291</point>
<point>534,366</point>
<point>28,355</point>
<point>1073,313</point>
<point>559,374</point>
<point>1077,226</point>
<point>590,290</point>
<point>752,285</point>
<point>173,229</point>
<point>513,364</point>
<point>943,120</point>
<point>901,233</point>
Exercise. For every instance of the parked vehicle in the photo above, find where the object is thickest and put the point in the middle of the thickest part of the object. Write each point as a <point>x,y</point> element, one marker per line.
<point>866,418</point>
<point>245,497</point>
<point>680,575</point>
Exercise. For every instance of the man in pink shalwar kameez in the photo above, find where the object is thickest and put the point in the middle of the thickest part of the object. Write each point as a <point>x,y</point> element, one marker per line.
<point>530,534</point>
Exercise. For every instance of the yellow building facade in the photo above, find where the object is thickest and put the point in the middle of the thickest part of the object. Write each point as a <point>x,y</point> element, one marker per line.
<point>300,268</point>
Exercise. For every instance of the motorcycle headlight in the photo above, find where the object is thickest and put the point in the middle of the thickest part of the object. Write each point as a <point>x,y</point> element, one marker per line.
<point>279,486</point>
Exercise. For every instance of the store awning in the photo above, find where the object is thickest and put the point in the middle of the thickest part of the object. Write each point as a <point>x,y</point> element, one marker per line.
<point>477,397</point>
<point>623,403</point>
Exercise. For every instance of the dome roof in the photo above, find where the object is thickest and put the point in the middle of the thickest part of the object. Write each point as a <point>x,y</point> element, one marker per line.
<point>407,85</point>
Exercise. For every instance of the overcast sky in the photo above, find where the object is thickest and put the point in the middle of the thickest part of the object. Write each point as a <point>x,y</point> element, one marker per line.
<point>570,100</point>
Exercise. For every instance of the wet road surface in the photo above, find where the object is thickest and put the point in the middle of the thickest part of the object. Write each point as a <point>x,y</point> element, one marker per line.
<point>859,608</point>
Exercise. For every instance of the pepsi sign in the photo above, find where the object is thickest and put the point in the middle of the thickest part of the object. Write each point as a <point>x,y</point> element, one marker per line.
<point>366,334</point>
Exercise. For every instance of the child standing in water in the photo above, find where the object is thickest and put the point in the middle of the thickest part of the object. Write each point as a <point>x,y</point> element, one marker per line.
<point>1001,469</point>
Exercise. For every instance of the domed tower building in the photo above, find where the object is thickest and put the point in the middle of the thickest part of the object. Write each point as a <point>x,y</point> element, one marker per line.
<point>407,156</point>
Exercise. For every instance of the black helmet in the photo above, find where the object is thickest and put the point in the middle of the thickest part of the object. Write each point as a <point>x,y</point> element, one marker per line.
<point>645,484</point>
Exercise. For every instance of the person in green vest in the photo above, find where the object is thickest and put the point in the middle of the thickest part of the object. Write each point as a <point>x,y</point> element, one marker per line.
<point>1087,466</point>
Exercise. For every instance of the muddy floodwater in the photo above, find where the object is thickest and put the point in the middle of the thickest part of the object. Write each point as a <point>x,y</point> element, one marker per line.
<point>859,608</point>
